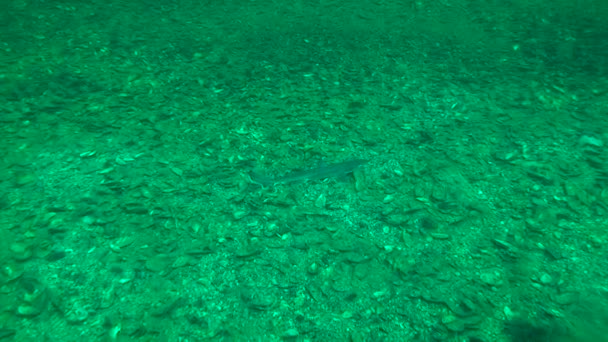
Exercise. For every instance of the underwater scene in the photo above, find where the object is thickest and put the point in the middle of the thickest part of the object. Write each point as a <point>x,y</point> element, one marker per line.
<point>304,170</point>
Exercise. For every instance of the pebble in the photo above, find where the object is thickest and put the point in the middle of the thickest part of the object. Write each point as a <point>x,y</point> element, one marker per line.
<point>546,279</point>
<point>20,251</point>
<point>490,278</point>
<point>158,263</point>
<point>292,332</point>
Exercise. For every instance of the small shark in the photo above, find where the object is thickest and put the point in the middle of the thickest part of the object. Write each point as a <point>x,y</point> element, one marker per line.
<point>322,172</point>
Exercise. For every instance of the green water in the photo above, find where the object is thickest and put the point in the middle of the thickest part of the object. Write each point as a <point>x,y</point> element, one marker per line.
<point>130,131</point>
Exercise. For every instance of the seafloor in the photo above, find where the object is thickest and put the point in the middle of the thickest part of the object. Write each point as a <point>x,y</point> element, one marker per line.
<point>130,131</point>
